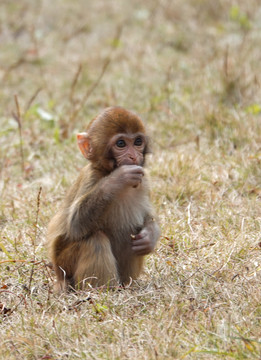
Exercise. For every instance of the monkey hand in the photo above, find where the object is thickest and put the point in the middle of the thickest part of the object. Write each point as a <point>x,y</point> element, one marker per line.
<point>127,175</point>
<point>142,243</point>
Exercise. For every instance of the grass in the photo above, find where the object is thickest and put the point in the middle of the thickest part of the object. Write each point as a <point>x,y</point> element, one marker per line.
<point>192,71</point>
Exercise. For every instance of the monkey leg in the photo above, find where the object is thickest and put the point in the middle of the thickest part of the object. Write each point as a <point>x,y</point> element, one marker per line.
<point>130,269</point>
<point>96,264</point>
<point>65,257</point>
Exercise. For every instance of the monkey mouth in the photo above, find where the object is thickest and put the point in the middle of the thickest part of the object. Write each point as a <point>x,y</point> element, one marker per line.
<point>127,162</point>
<point>130,163</point>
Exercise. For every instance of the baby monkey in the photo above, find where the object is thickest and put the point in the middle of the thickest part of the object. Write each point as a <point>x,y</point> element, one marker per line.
<point>106,224</point>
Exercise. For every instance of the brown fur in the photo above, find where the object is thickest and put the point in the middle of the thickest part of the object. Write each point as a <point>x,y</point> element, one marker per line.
<point>89,239</point>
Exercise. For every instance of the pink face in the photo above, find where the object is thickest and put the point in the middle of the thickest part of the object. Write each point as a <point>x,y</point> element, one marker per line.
<point>128,149</point>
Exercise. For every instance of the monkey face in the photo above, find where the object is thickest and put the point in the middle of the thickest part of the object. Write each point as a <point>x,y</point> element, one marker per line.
<point>128,149</point>
<point>114,138</point>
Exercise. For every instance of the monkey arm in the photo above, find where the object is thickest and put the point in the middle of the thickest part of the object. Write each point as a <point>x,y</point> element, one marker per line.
<point>86,207</point>
<point>86,212</point>
<point>145,242</point>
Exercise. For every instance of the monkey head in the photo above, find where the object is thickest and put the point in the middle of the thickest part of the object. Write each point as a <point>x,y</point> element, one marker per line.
<point>115,137</point>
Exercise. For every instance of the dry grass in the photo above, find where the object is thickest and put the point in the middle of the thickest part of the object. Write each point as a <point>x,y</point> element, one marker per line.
<point>192,70</point>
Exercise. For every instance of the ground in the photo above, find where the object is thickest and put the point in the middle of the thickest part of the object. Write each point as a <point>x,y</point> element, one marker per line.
<point>191,69</point>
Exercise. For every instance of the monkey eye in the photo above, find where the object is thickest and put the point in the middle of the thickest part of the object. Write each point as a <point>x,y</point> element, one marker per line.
<point>120,143</point>
<point>138,141</point>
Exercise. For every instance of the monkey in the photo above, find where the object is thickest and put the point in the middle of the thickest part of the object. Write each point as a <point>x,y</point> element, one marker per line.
<point>106,224</point>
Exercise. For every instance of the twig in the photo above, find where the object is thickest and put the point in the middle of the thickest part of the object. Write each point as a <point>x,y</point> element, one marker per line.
<point>35,235</point>
<point>90,90</point>
<point>81,29</point>
<point>17,117</point>
<point>18,295</point>
<point>74,82</point>
<point>35,42</point>
<point>194,273</point>
<point>21,261</point>
<point>13,66</point>
<point>201,247</point>
<point>37,212</point>
<point>98,80</point>
<point>225,63</point>
<point>32,99</point>
<point>226,262</point>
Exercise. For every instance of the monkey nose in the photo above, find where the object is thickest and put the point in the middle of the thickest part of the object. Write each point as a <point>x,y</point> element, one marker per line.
<point>133,160</point>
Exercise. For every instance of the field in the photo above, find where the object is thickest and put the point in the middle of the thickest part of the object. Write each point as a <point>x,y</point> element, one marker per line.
<point>192,70</point>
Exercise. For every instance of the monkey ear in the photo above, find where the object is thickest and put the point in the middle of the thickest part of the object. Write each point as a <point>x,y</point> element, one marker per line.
<point>83,142</point>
